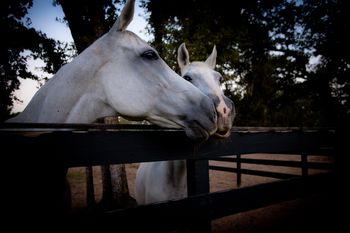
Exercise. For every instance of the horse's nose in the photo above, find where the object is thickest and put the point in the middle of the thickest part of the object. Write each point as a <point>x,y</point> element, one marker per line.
<point>223,106</point>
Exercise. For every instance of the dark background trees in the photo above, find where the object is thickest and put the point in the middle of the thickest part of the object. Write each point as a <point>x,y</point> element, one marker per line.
<point>265,47</point>
<point>19,43</point>
<point>264,51</point>
<point>88,20</point>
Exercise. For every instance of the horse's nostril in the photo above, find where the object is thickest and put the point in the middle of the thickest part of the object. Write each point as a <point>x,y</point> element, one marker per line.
<point>224,110</point>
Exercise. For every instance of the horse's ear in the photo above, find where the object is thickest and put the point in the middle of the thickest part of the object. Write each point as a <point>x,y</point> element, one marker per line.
<point>211,60</point>
<point>125,16</point>
<point>183,58</point>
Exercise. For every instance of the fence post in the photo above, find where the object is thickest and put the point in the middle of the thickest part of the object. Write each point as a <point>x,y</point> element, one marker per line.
<point>304,167</point>
<point>238,174</point>
<point>90,191</point>
<point>197,183</point>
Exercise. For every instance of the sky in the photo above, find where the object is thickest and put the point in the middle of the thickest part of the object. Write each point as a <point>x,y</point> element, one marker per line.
<point>43,17</point>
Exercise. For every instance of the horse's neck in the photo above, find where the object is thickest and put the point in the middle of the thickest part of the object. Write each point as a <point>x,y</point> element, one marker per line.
<point>71,95</point>
<point>176,172</point>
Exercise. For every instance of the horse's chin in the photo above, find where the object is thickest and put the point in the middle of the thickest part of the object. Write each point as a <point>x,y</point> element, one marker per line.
<point>197,134</point>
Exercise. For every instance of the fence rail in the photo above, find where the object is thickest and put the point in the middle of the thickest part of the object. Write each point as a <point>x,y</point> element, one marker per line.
<point>42,153</point>
<point>80,145</point>
<point>303,163</point>
<point>205,207</point>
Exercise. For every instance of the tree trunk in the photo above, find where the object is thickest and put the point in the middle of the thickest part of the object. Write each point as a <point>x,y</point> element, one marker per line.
<point>87,20</point>
<point>114,182</point>
<point>120,189</point>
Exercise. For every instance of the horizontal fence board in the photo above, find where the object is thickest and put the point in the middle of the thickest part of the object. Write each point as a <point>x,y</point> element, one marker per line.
<point>320,166</point>
<point>282,163</point>
<point>279,163</point>
<point>98,126</point>
<point>173,214</point>
<point>273,142</point>
<point>47,127</point>
<point>278,175</point>
<point>97,148</point>
<point>100,145</point>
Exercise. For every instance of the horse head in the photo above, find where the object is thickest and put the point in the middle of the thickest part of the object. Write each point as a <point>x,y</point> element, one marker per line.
<point>120,74</point>
<point>204,77</point>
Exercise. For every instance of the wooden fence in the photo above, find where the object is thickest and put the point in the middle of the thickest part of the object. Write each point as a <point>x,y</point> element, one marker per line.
<point>38,156</point>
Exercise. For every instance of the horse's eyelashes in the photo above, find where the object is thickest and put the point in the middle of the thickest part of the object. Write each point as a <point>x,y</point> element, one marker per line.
<point>188,78</point>
<point>150,54</point>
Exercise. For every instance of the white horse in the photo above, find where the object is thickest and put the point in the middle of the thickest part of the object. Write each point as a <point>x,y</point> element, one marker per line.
<point>166,180</point>
<point>120,74</point>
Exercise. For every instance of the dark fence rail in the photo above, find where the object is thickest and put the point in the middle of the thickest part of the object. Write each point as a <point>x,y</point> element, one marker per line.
<point>42,153</point>
<point>78,145</point>
<point>205,207</point>
<point>278,175</point>
<point>304,164</point>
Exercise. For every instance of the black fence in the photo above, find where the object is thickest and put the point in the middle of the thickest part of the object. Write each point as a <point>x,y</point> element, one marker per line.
<point>38,156</point>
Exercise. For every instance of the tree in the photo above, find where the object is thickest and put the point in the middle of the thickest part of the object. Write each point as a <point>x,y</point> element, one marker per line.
<point>15,51</point>
<point>265,47</point>
<point>88,20</point>
<point>325,22</point>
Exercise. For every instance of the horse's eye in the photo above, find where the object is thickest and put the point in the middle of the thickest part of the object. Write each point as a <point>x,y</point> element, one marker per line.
<point>150,54</point>
<point>188,78</point>
<point>221,79</point>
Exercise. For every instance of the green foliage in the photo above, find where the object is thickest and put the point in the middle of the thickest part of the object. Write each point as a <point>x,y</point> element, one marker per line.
<point>265,48</point>
<point>20,43</point>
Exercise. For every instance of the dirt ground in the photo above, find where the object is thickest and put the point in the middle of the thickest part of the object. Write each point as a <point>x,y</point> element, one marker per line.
<point>289,216</point>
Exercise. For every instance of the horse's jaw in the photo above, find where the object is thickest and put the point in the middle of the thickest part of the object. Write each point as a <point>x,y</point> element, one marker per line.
<point>197,133</point>
<point>193,129</point>
<point>164,122</point>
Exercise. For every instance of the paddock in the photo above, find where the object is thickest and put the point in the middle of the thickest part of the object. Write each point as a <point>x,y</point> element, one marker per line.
<point>42,153</point>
